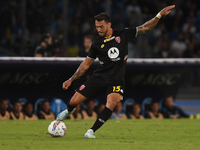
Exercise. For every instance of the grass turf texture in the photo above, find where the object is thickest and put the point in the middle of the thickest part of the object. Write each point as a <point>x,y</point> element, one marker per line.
<point>146,134</point>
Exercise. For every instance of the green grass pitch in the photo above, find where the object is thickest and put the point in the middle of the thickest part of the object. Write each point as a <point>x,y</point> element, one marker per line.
<point>168,134</point>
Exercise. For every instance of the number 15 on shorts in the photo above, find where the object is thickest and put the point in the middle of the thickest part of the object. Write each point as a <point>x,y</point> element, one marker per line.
<point>116,88</point>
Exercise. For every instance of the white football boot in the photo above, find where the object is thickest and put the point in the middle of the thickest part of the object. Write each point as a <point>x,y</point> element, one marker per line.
<point>64,114</point>
<point>89,134</point>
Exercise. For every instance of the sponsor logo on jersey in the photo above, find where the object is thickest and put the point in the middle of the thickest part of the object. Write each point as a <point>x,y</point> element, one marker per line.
<point>109,39</point>
<point>113,52</point>
<point>102,46</point>
<point>82,87</point>
<point>118,39</point>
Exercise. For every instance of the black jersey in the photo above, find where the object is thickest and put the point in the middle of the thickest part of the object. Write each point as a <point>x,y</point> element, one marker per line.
<point>112,53</point>
<point>45,52</point>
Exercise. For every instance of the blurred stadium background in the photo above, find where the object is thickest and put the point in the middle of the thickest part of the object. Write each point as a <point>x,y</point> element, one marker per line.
<point>176,36</point>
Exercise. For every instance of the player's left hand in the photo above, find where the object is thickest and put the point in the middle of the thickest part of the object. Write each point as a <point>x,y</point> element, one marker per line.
<point>165,11</point>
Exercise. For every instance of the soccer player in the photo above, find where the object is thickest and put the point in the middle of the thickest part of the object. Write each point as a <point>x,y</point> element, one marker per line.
<point>111,48</point>
<point>154,113</point>
<point>45,112</point>
<point>136,110</point>
<point>171,111</point>
<point>28,112</point>
<point>4,114</point>
<point>17,111</point>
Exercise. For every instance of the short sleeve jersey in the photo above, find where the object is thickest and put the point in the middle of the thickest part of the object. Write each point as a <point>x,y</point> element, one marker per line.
<point>112,53</point>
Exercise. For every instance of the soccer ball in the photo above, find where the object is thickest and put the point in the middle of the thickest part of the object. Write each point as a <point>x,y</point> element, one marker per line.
<point>57,128</point>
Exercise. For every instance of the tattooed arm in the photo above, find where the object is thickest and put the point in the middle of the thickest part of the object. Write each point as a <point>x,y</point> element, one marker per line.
<point>82,68</point>
<point>79,72</point>
<point>149,25</point>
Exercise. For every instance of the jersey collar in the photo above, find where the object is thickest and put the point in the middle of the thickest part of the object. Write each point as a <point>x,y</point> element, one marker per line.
<point>107,39</point>
<point>109,36</point>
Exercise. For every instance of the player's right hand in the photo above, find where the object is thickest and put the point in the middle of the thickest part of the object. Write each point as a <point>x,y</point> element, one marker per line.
<point>66,84</point>
<point>165,11</point>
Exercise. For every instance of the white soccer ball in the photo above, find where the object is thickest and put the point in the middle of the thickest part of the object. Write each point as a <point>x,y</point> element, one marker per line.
<point>57,128</point>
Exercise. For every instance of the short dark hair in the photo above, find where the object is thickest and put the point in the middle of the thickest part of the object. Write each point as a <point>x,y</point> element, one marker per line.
<point>3,99</point>
<point>102,16</point>
<point>168,97</point>
<point>44,101</point>
<point>153,102</point>
<point>27,103</point>
<point>88,37</point>
<point>89,101</point>
<point>135,104</point>
<point>16,103</point>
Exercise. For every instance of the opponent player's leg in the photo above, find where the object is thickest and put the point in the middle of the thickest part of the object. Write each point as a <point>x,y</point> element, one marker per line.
<point>112,100</point>
<point>71,106</point>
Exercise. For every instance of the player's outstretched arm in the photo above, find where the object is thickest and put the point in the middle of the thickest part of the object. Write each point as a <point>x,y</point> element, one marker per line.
<point>84,66</point>
<point>149,25</point>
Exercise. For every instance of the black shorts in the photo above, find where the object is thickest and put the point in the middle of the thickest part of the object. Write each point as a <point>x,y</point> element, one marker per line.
<point>96,86</point>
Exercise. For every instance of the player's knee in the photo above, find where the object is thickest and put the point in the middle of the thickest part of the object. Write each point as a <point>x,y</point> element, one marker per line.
<point>112,103</point>
<point>73,103</point>
<point>77,99</point>
<point>111,106</point>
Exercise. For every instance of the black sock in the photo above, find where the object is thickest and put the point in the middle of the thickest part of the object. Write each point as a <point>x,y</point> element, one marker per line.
<point>70,107</point>
<point>102,118</point>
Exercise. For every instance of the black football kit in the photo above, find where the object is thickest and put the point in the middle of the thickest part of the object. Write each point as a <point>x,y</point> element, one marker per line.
<point>112,53</point>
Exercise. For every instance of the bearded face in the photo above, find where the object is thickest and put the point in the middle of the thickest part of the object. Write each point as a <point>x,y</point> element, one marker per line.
<point>102,27</point>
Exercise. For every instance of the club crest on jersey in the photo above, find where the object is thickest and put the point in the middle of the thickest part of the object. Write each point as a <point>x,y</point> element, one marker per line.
<point>118,39</point>
<point>82,87</point>
<point>113,52</point>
